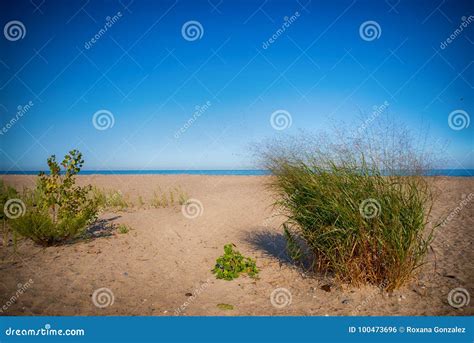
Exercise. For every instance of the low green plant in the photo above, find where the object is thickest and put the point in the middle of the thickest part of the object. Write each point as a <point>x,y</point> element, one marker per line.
<point>123,229</point>
<point>57,209</point>
<point>230,265</point>
<point>223,306</point>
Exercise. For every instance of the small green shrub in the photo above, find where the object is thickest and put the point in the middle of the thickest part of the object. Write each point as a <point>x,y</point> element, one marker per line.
<point>230,265</point>
<point>123,229</point>
<point>57,209</point>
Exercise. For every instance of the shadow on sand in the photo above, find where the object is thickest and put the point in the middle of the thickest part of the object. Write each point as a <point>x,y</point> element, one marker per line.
<point>101,228</point>
<point>273,244</point>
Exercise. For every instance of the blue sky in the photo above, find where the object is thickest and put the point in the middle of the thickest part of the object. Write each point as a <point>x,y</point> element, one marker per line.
<point>141,69</point>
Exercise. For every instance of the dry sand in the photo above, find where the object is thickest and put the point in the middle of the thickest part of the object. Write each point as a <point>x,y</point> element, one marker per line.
<point>151,269</point>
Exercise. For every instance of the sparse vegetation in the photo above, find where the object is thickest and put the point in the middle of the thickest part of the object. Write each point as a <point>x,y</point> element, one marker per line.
<point>169,198</point>
<point>223,306</point>
<point>141,203</point>
<point>361,208</point>
<point>110,199</point>
<point>57,209</point>
<point>114,200</point>
<point>6,193</point>
<point>123,229</point>
<point>230,265</point>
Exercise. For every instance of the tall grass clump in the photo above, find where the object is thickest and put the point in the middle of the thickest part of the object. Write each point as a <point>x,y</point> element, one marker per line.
<point>360,207</point>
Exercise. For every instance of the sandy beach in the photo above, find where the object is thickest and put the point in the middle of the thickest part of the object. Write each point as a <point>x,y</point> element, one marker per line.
<point>163,265</point>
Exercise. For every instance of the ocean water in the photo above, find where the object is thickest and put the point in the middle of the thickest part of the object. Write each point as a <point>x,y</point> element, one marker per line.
<point>157,172</point>
<point>433,172</point>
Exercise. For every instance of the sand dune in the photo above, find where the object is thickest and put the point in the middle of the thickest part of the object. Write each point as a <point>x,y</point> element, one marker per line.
<point>152,269</point>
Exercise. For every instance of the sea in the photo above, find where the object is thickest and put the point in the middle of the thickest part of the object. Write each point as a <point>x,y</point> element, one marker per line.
<point>242,172</point>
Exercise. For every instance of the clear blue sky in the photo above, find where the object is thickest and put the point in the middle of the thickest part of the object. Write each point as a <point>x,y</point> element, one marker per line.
<point>150,78</point>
